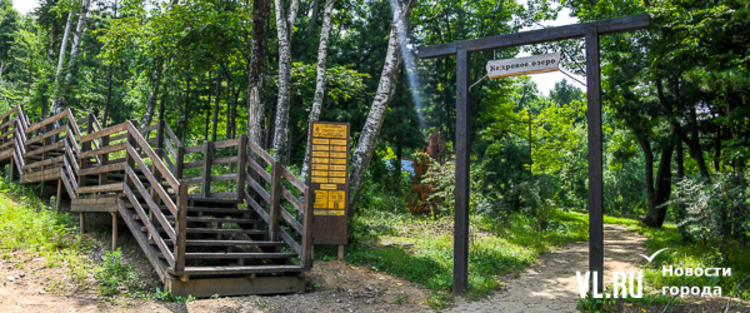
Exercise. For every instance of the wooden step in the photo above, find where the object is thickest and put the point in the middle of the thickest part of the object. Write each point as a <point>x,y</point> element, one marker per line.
<point>245,269</point>
<point>209,220</point>
<point>237,255</point>
<point>227,243</point>
<point>217,231</point>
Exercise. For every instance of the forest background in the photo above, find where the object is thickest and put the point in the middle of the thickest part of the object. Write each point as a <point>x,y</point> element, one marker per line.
<point>676,114</point>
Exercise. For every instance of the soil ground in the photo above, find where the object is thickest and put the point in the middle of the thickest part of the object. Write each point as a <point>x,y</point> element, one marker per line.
<point>333,286</point>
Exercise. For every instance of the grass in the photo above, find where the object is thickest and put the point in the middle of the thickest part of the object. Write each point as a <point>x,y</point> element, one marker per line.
<point>687,254</point>
<point>420,248</point>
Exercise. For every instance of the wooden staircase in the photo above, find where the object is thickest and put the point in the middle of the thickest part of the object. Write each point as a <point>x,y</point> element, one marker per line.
<point>233,233</point>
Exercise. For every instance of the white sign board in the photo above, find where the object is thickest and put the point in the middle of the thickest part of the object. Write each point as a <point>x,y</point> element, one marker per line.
<point>534,64</point>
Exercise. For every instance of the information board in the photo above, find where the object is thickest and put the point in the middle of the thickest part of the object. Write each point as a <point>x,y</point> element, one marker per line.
<point>329,181</point>
<point>534,64</point>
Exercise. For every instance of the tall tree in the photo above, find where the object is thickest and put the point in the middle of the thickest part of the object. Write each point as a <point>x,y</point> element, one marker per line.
<point>383,96</point>
<point>320,83</point>
<point>256,87</point>
<point>284,27</point>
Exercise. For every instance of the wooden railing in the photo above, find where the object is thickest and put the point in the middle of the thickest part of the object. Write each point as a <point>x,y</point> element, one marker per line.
<point>156,196</point>
<point>13,137</point>
<point>281,207</point>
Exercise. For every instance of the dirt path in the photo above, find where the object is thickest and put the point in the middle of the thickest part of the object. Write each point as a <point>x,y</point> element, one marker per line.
<point>552,286</point>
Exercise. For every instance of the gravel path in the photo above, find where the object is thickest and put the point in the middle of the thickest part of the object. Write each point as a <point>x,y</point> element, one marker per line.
<point>552,286</point>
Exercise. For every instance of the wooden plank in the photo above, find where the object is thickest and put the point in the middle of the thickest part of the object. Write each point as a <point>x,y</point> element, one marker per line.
<point>235,286</point>
<point>227,160</point>
<point>193,164</point>
<point>255,206</point>
<point>46,122</point>
<point>51,147</point>
<point>166,174</point>
<point>241,166</point>
<point>154,234</point>
<point>181,226</point>
<point>234,270</point>
<point>293,179</point>
<point>273,201</point>
<point>290,241</point>
<point>100,188</point>
<point>195,149</point>
<point>291,220</point>
<point>292,199</point>
<point>105,150</point>
<point>169,163</point>
<point>194,180</point>
<point>102,169</point>
<point>46,162</point>
<point>239,255</point>
<point>172,136</point>
<point>105,132</point>
<point>208,156</point>
<point>306,258</point>
<point>144,131</point>
<point>260,152</point>
<point>8,123</point>
<point>594,116</point>
<point>71,122</point>
<point>172,153</point>
<point>43,175</point>
<point>9,112</point>
<point>615,25</point>
<point>149,251</point>
<point>155,184</point>
<point>224,243</point>
<point>260,190</point>
<point>463,160</point>
<point>156,211</point>
<point>108,204</point>
<point>223,195</point>
<point>226,143</point>
<point>223,177</point>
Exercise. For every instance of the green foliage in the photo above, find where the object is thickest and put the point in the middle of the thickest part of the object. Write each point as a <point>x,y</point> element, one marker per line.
<point>593,305</point>
<point>166,296</point>
<point>114,276</point>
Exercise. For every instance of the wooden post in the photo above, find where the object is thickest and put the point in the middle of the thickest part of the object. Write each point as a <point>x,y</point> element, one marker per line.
<point>114,231</point>
<point>181,226</point>
<point>104,160</point>
<point>180,162</point>
<point>160,134</point>
<point>306,259</point>
<point>596,203</point>
<point>59,192</point>
<point>463,142</point>
<point>341,252</point>
<point>208,156</point>
<point>241,166</point>
<point>274,205</point>
<point>10,176</point>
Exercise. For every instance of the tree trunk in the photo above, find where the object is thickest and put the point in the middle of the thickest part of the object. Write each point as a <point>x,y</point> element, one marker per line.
<point>284,26</point>
<point>187,113</point>
<point>320,84</point>
<point>148,115</point>
<point>658,191</point>
<point>256,87</point>
<point>383,96</point>
<point>208,106</point>
<point>60,60</point>
<point>681,209</point>
<point>216,107</point>
<point>75,49</point>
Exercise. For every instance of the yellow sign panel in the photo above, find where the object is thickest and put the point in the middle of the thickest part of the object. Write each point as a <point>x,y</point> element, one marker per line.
<point>336,212</point>
<point>338,142</point>
<point>337,174</point>
<point>321,167</point>
<point>338,148</point>
<point>338,161</point>
<point>337,180</point>
<point>319,180</point>
<point>319,173</point>
<point>328,186</point>
<point>321,199</point>
<point>320,160</point>
<point>321,147</point>
<point>318,141</point>
<point>337,199</point>
<point>338,167</point>
<point>320,212</point>
<point>320,154</point>
<point>329,131</point>
<point>337,154</point>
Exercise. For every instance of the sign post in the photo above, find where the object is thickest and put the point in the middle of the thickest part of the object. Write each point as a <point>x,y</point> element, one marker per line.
<point>329,182</point>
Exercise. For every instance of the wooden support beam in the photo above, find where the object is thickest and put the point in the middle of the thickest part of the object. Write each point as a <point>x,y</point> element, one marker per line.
<point>274,201</point>
<point>615,25</point>
<point>208,156</point>
<point>463,153</point>
<point>241,165</point>
<point>181,226</point>
<point>114,231</point>
<point>596,196</point>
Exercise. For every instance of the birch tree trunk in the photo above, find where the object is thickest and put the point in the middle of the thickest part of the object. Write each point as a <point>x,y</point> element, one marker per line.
<point>75,49</point>
<point>320,84</point>
<point>383,96</point>
<point>156,84</point>
<point>60,61</point>
<point>284,26</point>
<point>256,87</point>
